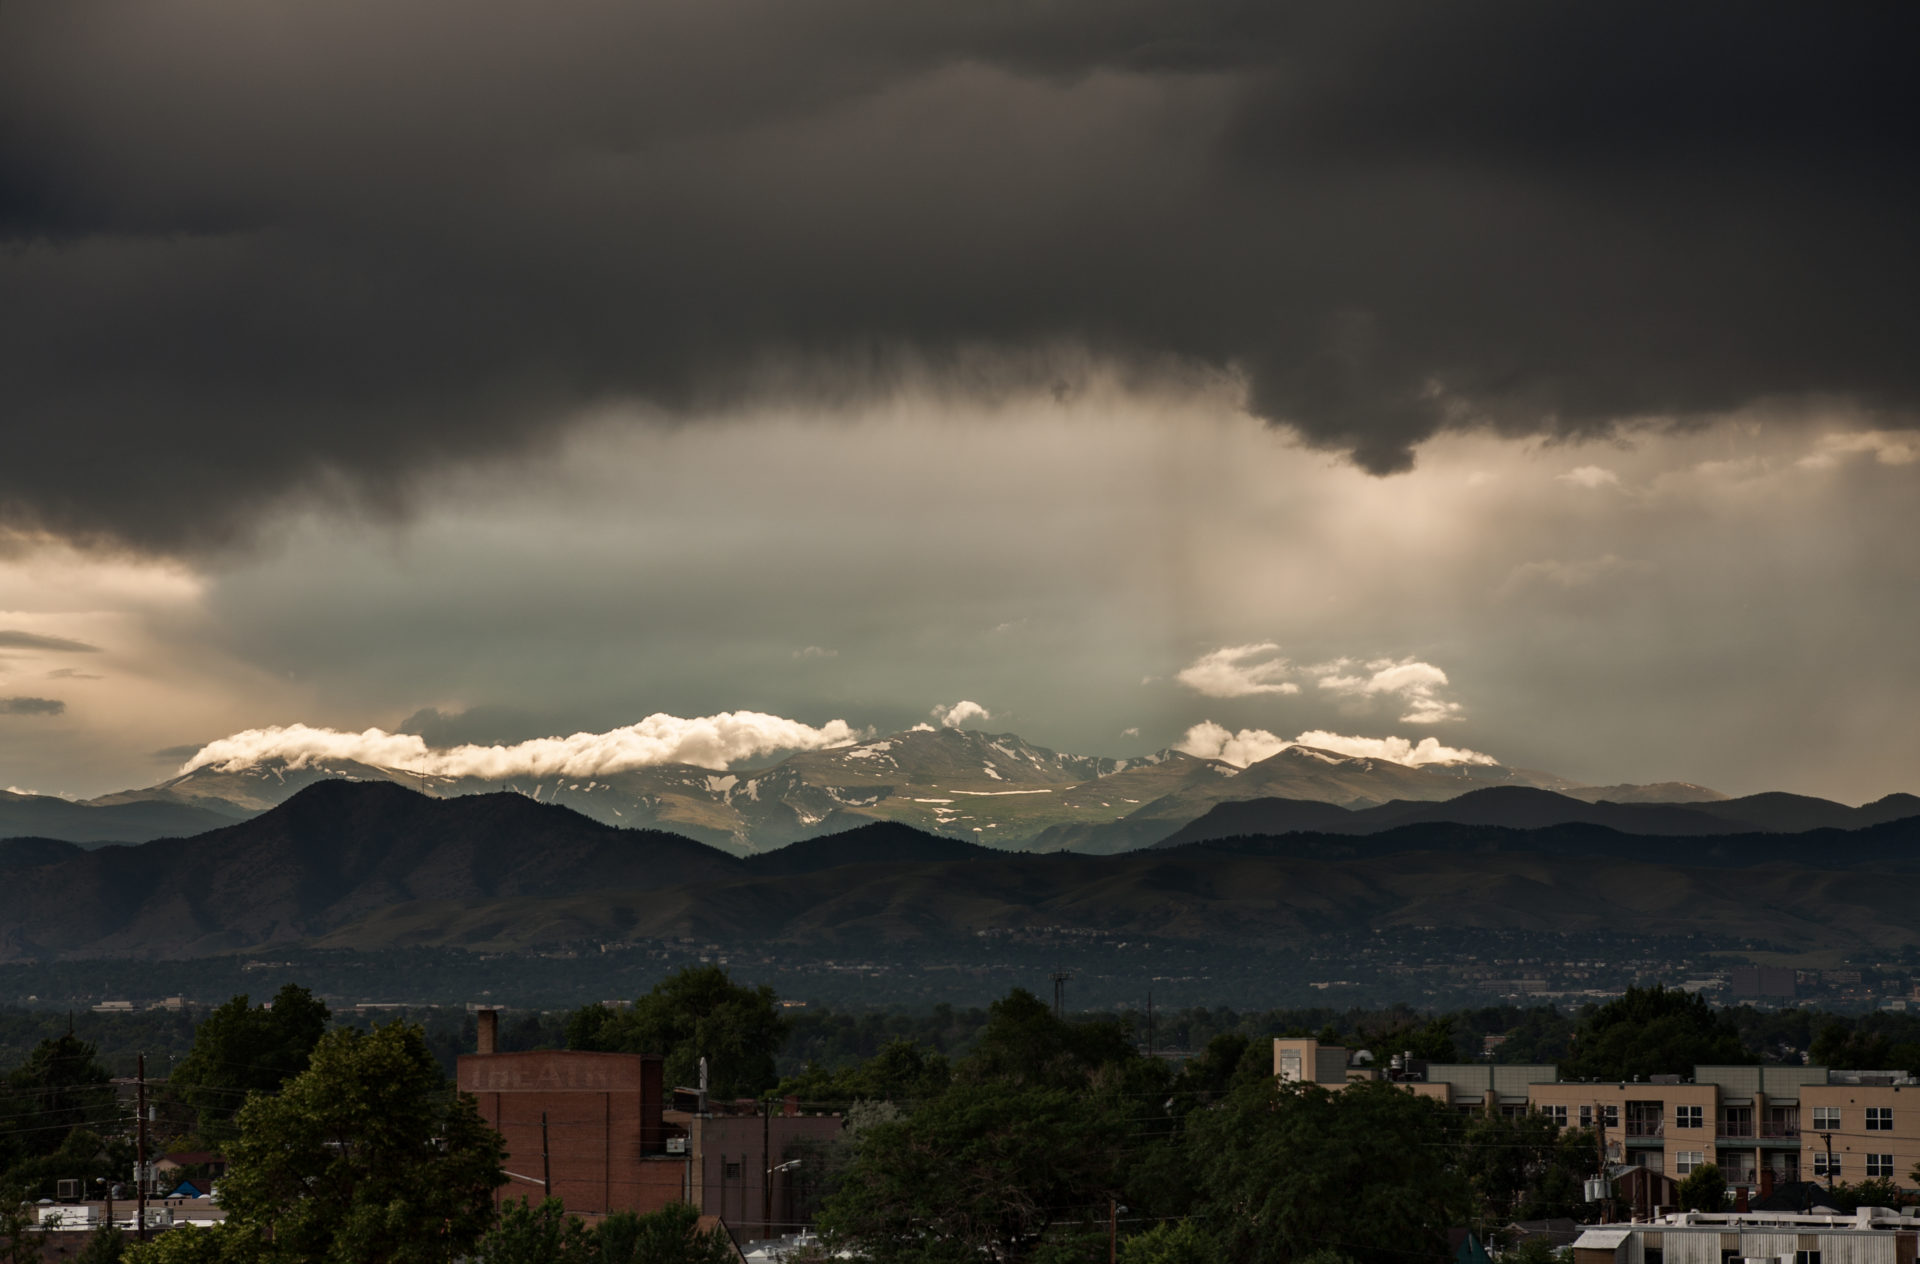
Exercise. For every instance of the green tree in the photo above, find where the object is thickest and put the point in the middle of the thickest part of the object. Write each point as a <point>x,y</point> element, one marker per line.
<point>1431,1042</point>
<point>1878,1192</point>
<point>21,1242</point>
<point>1652,1031</point>
<point>1285,1169</point>
<point>365,1155</point>
<point>1535,1250</point>
<point>60,1088</point>
<point>1023,1043</point>
<point>105,1246</point>
<point>987,1170</point>
<point>241,1049</point>
<point>1525,1168</point>
<point>526,1234</point>
<point>1704,1189</point>
<point>671,1235</point>
<point>1173,1242</point>
<point>547,1235</point>
<point>698,1012</point>
<point>901,1071</point>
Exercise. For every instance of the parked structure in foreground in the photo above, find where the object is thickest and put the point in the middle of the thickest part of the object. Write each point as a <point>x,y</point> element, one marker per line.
<point>1763,1125</point>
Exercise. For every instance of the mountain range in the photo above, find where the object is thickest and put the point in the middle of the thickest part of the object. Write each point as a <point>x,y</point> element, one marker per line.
<point>995,789</point>
<point>364,865</point>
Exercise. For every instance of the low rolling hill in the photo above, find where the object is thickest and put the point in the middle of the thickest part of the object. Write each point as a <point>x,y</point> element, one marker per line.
<point>373,865</point>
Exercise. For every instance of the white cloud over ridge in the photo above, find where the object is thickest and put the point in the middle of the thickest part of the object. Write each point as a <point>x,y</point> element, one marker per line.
<point>959,713</point>
<point>1239,671</point>
<point>712,741</point>
<point>1208,740</point>
<point>1415,683</point>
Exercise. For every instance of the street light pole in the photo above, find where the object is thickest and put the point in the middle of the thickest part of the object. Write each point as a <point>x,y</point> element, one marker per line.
<point>767,1200</point>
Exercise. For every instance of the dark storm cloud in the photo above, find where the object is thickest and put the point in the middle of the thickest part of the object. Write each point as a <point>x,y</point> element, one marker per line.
<point>23,705</point>
<point>14,639</point>
<point>259,249</point>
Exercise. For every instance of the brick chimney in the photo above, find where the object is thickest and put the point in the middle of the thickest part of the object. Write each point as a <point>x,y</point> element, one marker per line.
<point>489,1024</point>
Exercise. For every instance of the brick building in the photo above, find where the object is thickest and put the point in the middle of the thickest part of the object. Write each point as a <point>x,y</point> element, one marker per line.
<point>596,1125</point>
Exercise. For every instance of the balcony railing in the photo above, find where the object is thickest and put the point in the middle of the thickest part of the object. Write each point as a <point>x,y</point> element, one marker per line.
<point>1773,1128</point>
<point>1736,1127</point>
<point>1646,1128</point>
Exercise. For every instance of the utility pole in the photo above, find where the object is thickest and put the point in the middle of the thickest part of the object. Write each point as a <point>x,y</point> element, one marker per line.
<point>1600,1141</point>
<point>1060,978</point>
<point>766,1166</point>
<point>1149,1022</point>
<point>140,1147</point>
<point>1828,1138</point>
<point>546,1159</point>
<point>1113,1230</point>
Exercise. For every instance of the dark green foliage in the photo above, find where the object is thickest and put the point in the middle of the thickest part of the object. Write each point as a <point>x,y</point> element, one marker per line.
<point>988,1170</point>
<point>1526,1168</point>
<point>698,1012</point>
<point>1704,1189</point>
<point>105,1246</point>
<point>20,1241</point>
<point>1878,1192</point>
<point>1286,1169</point>
<point>547,1235</point>
<point>49,1116</point>
<point>1535,1250</point>
<point>1173,1242</point>
<point>1652,1031</point>
<point>526,1234</point>
<point>669,1236</point>
<point>1024,1044</point>
<point>1432,1041</point>
<point>902,1071</point>
<point>241,1049</point>
<point>365,1155</point>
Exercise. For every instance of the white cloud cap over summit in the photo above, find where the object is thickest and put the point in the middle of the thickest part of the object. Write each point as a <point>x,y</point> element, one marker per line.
<point>1208,740</point>
<point>959,713</point>
<point>1239,671</point>
<point>712,741</point>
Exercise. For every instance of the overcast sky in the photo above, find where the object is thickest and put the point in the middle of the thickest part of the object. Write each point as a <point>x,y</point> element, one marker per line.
<point>1534,379</point>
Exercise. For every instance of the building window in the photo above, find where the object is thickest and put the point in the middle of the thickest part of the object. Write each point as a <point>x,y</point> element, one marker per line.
<point>1826,1165</point>
<point>1736,1121</point>
<point>1290,1065</point>
<point>1689,1117</point>
<point>1879,1119</point>
<point>1685,1161</point>
<point>1827,1119</point>
<point>731,1171</point>
<point>1558,1114</point>
<point>1879,1165</point>
<point>1806,1257</point>
<point>1586,1116</point>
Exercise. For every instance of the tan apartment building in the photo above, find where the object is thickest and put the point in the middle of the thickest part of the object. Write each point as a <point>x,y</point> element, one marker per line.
<point>1790,1123</point>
